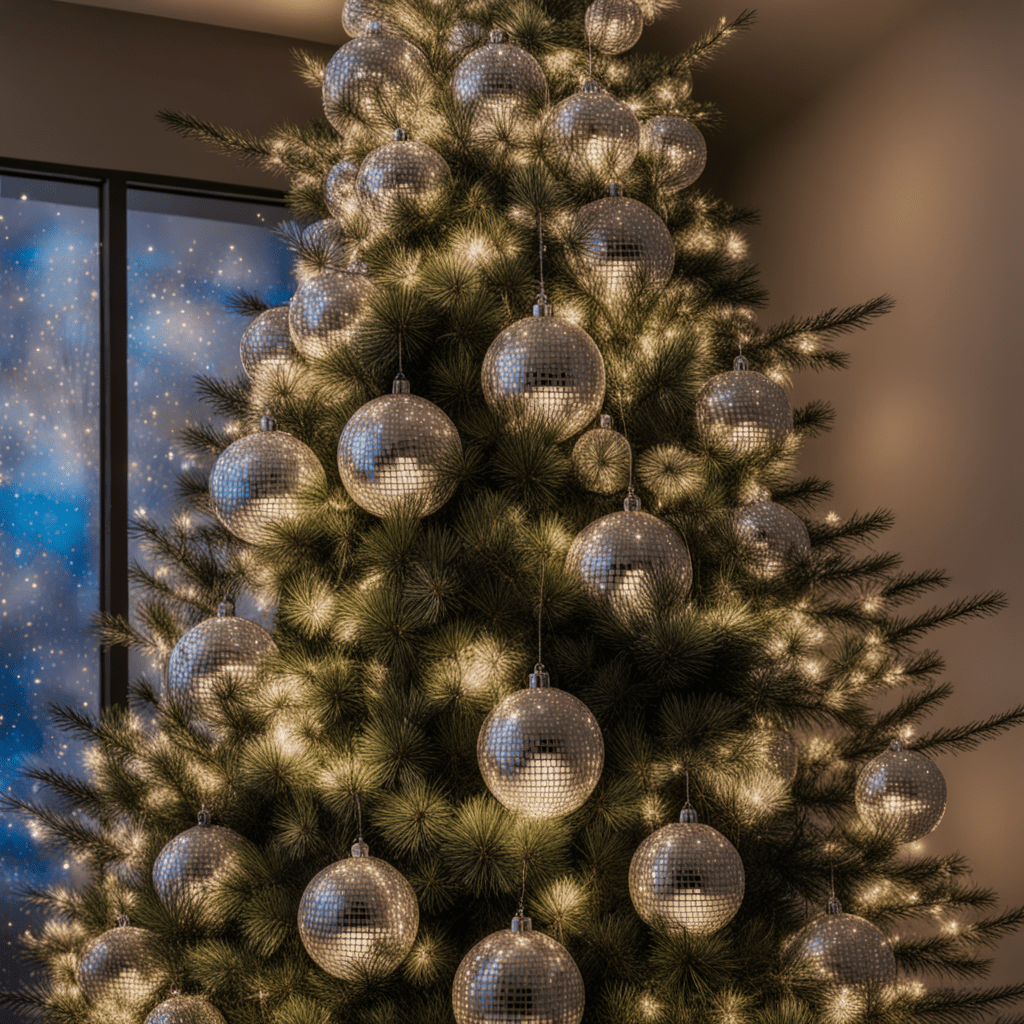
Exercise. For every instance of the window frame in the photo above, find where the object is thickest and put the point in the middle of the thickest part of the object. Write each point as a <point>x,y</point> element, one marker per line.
<point>113,189</point>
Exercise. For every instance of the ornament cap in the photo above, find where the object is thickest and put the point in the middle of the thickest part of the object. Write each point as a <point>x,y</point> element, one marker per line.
<point>539,677</point>
<point>226,608</point>
<point>268,423</point>
<point>122,921</point>
<point>896,744</point>
<point>740,363</point>
<point>401,385</point>
<point>632,502</point>
<point>521,923</point>
<point>203,817</point>
<point>591,86</point>
<point>360,849</point>
<point>604,421</point>
<point>497,36</point>
<point>400,135</point>
<point>542,307</point>
<point>614,189</point>
<point>687,816</point>
<point>375,28</point>
<point>834,906</point>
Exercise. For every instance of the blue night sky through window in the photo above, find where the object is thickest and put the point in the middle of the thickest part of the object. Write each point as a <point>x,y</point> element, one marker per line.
<point>186,255</point>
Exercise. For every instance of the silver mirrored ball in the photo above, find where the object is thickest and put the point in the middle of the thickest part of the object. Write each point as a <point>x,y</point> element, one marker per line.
<point>601,459</point>
<point>902,791</point>
<point>326,310</point>
<point>613,26</point>
<point>267,340</point>
<point>743,411</point>
<point>592,131</point>
<point>770,537</point>
<point>185,1010</point>
<point>499,82</point>
<point>677,146</point>
<point>123,967</point>
<point>845,950</point>
<point>399,174</point>
<point>340,188</point>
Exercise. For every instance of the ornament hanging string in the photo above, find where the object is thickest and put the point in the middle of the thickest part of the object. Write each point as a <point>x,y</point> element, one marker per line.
<point>540,614</point>
<point>522,892</point>
<point>359,815</point>
<point>629,445</point>
<point>542,298</point>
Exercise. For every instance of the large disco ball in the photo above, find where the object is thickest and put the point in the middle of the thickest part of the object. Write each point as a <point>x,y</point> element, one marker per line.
<point>770,536</point>
<point>845,950</point>
<point>267,339</point>
<point>902,791</point>
<point>398,174</point>
<point>498,82</point>
<point>677,146</point>
<point>591,131</point>
<point>743,411</point>
<point>185,1010</point>
<point>124,967</point>
<point>326,310</point>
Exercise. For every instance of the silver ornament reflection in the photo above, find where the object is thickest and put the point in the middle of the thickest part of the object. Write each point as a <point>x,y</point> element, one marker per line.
<point>218,655</point>
<point>188,869</point>
<point>399,174</point>
<point>267,340</point>
<point>601,459</point>
<point>499,81</point>
<point>373,75</point>
<point>613,26</point>
<point>540,750</point>
<point>594,132</point>
<point>259,480</point>
<point>686,877</point>
<point>677,146</point>
<point>123,967</point>
<point>357,17</point>
<point>627,557</point>
<point>902,791</point>
<point>326,234</point>
<point>743,411</point>
<point>340,188</point>
<point>623,245</point>
<point>770,536</point>
<point>326,310</point>
<point>518,976</point>
<point>544,369</point>
<point>358,914</point>
<point>396,452</point>
<point>465,35</point>
<point>783,755</point>
<point>185,1010</point>
<point>845,950</point>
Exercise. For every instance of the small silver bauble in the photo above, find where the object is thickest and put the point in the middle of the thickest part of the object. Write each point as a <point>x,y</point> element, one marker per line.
<point>267,340</point>
<point>399,174</point>
<point>601,459</point>
<point>770,536</point>
<point>393,453</point>
<point>594,132</point>
<point>902,791</point>
<point>613,26</point>
<point>622,245</point>
<point>340,188</point>
<point>358,914</point>
<point>327,309</point>
<point>226,651</point>
<point>783,755</point>
<point>628,557</point>
<point>545,369</point>
<point>465,35</point>
<point>677,146</point>
<point>357,16</point>
<point>123,967</point>
<point>845,950</point>
<point>185,1010</point>
<point>540,750</point>
<point>518,976</point>
<point>188,869</point>
<point>374,74</point>
<point>743,410</point>
<point>686,878</point>
<point>326,233</point>
<point>258,481</point>
<point>499,81</point>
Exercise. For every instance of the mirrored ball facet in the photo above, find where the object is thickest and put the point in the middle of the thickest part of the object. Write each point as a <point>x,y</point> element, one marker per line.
<point>259,481</point>
<point>326,310</point>
<point>123,967</point>
<point>744,411</point>
<point>541,752</point>
<point>498,82</point>
<point>770,536</point>
<point>623,245</point>
<point>340,188</point>
<point>185,1010</point>
<point>545,369</point>
<point>396,451</point>
<point>627,557</point>
<point>614,26</point>
<point>677,146</point>
<point>188,869</point>
<point>902,791</point>
<point>518,978</point>
<point>601,459</point>
<point>267,339</point>
<point>358,914</point>
<point>783,755</point>
<point>594,132</point>
<point>397,174</point>
<point>686,877</point>
<point>845,950</point>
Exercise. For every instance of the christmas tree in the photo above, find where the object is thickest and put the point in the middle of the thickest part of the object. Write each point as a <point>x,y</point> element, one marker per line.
<point>571,708</point>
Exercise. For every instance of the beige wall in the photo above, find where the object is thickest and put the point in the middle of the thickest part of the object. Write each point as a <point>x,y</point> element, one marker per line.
<point>896,170</point>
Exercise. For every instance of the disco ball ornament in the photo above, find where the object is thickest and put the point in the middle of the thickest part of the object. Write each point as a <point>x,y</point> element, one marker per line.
<point>686,878</point>
<point>185,1010</point>
<point>219,653</point>
<point>623,245</point>
<point>613,26</point>
<point>499,81</point>
<point>358,16</point>
<point>678,146</point>
<point>188,869</point>
<point>782,755</point>
<point>743,410</point>
<point>591,131</point>
<point>325,234</point>
<point>465,35</point>
<point>375,75</point>
<point>601,459</point>
<point>546,370</point>
<point>399,175</point>
<point>340,188</point>
<point>901,791</point>
<point>267,340</point>
<point>123,967</point>
<point>358,914</point>
<point>770,536</point>
<point>518,976</point>
<point>845,950</point>
<point>540,750</point>
<point>393,453</point>
<point>326,310</point>
<point>259,480</point>
<point>626,558</point>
